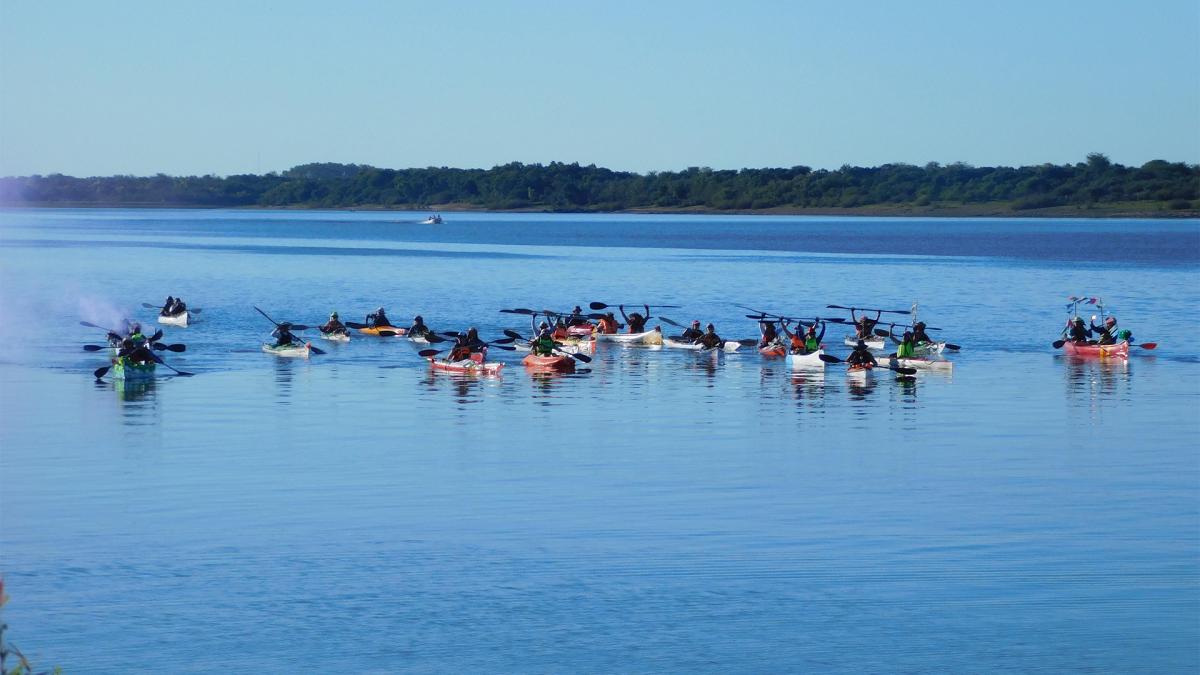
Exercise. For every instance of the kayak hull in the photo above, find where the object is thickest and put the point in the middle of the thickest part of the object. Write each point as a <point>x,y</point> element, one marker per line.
<point>569,346</point>
<point>467,366</point>
<point>807,361</point>
<point>774,351</point>
<point>336,337</point>
<point>1117,351</point>
<point>923,364</point>
<point>180,319</point>
<point>375,330</point>
<point>293,350</point>
<point>874,343</point>
<point>729,346</point>
<point>556,363</point>
<point>122,369</point>
<point>582,330</point>
<point>650,337</point>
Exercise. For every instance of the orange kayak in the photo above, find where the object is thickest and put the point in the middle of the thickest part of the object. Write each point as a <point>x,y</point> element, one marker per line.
<point>377,329</point>
<point>773,351</point>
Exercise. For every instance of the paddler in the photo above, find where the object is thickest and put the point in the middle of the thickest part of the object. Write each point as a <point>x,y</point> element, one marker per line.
<point>136,351</point>
<point>283,335</point>
<point>919,334</point>
<point>710,339</point>
<point>636,322</point>
<point>607,325</point>
<point>464,345</point>
<point>805,341</point>
<point>864,328</point>
<point>1078,333</point>
<point>378,319</point>
<point>167,307</point>
<point>693,333</point>
<point>577,318</point>
<point>769,336</point>
<point>333,326</point>
<point>861,356</point>
<point>178,308</point>
<point>418,328</point>
<point>906,347</point>
<point>543,343</point>
<point>1107,332</point>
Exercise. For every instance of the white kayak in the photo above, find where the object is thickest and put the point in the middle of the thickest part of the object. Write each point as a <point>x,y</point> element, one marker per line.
<point>729,346</point>
<point>873,343</point>
<point>298,350</point>
<point>921,364</point>
<point>650,337</point>
<point>809,360</point>
<point>335,337</point>
<point>180,319</point>
<point>926,348</point>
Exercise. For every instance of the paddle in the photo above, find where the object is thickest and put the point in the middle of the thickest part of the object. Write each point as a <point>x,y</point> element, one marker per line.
<point>870,309</point>
<point>519,310</point>
<point>159,360</point>
<point>315,350</point>
<point>514,335</point>
<point>830,358</point>
<point>601,305</point>
<point>92,325</point>
<point>177,348</point>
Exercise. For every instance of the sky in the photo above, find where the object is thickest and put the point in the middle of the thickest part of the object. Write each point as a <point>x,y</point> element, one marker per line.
<point>224,87</point>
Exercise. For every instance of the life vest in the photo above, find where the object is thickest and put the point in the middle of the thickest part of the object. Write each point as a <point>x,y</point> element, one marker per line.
<point>811,343</point>
<point>905,350</point>
<point>798,344</point>
<point>606,326</point>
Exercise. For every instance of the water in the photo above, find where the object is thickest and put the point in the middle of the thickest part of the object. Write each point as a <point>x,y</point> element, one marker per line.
<point>664,511</point>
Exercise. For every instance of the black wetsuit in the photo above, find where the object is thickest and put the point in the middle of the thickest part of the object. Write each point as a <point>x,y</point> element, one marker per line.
<point>692,334</point>
<point>861,357</point>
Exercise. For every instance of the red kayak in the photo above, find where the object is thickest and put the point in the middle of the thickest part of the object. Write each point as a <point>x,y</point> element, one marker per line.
<point>474,365</point>
<point>772,351</point>
<point>1117,351</point>
<point>557,362</point>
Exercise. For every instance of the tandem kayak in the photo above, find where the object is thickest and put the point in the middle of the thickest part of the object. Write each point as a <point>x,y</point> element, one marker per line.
<point>471,366</point>
<point>809,360</point>
<point>335,337</point>
<point>299,350</point>
<point>729,346</point>
<point>569,346</point>
<point>556,362</point>
<point>383,331</point>
<point>922,364</point>
<point>1117,351</point>
<point>180,319</point>
<point>872,343</point>
<point>124,369</point>
<point>650,337</point>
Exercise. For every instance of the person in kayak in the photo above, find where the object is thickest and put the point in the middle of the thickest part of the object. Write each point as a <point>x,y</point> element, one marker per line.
<point>166,308</point>
<point>607,324</point>
<point>543,343</point>
<point>919,334</point>
<point>769,336</point>
<point>283,335</point>
<point>1107,332</point>
<point>805,341</point>
<point>694,333</point>
<point>136,351</point>
<point>334,326</point>
<point>710,339</point>
<point>378,319</point>
<point>418,328</point>
<point>179,307</point>
<point>577,318</point>
<point>1077,332</point>
<point>864,327</point>
<point>861,356</point>
<point>466,344</point>
<point>906,346</point>
<point>636,322</point>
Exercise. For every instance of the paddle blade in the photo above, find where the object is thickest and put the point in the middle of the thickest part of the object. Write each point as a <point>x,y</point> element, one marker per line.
<point>669,322</point>
<point>748,342</point>
<point>881,332</point>
<point>904,371</point>
<point>299,326</point>
<point>1059,343</point>
<point>427,353</point>
<point>1144,345</point>
<point>952,347</point>
<point>149,306</point>
<point>597,305</point>
<point>434,338</point>
<point>513,334</point>
<point>316,350</point>
<point>829,358</point>
<point>504,347</point>
<point>503,341</point>
<point>582,358</point>
<point>93,348</point>
<point>355,325</point>
<point>387,333</point>
<point>157,336</point>
<point>595,317</point>
<point>100,372</point>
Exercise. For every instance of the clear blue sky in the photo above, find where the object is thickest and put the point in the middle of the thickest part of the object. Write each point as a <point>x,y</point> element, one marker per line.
<point>100,88</point>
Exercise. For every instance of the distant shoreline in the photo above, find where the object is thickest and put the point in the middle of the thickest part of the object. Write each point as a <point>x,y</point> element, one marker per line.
<point>985,210</point>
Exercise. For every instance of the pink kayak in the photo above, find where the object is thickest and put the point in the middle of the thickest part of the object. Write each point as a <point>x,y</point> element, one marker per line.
<point>556,362</point>
<point>1117,351</point>
<point>474,365</point>
<point>582,330</point>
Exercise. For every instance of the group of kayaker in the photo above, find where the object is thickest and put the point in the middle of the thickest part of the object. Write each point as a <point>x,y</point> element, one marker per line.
<point>172,307</point>
<point>1107,334</point>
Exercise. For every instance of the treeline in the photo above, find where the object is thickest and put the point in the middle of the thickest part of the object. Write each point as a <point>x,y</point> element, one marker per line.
<point>570,187</point>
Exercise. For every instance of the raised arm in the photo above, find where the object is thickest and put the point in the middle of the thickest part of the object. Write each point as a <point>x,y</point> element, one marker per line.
<point>647,314</point>
<point>622,308</point>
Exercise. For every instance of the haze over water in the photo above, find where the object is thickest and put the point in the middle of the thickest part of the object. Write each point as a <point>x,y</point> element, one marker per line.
<point>664,511</point>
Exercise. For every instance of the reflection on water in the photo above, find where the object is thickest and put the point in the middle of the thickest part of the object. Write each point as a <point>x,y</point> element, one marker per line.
<point>808,388</point>
<point>283,378</point>
<point>1094,382</point>
<point>138,400</point>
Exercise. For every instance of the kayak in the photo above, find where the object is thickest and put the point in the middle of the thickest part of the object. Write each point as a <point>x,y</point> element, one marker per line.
<point>123,369</point>
<point>858,373</point>
<point>650,337</point>
<point>582,330</point>
<point>375,330</point>
<point>556,362</point>
<point>471,366</point>
<point>809,360</point>
<point>569,346</point>
<point>873,343</point>
<point>294,349</point>
<point>335,337</point>
<point>926,348</point>
<point>1117,351</point>
<point>922,364</point>
<point>729,346</point>
<point>772,351</point>
<point>180,319</point>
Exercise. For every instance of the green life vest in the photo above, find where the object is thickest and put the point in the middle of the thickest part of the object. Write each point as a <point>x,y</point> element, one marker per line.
<point>543,346</point>
<point>811,343</point>
<point>905,350</point>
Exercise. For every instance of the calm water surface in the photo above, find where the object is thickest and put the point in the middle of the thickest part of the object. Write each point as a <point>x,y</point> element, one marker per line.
<point>664,511</point>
